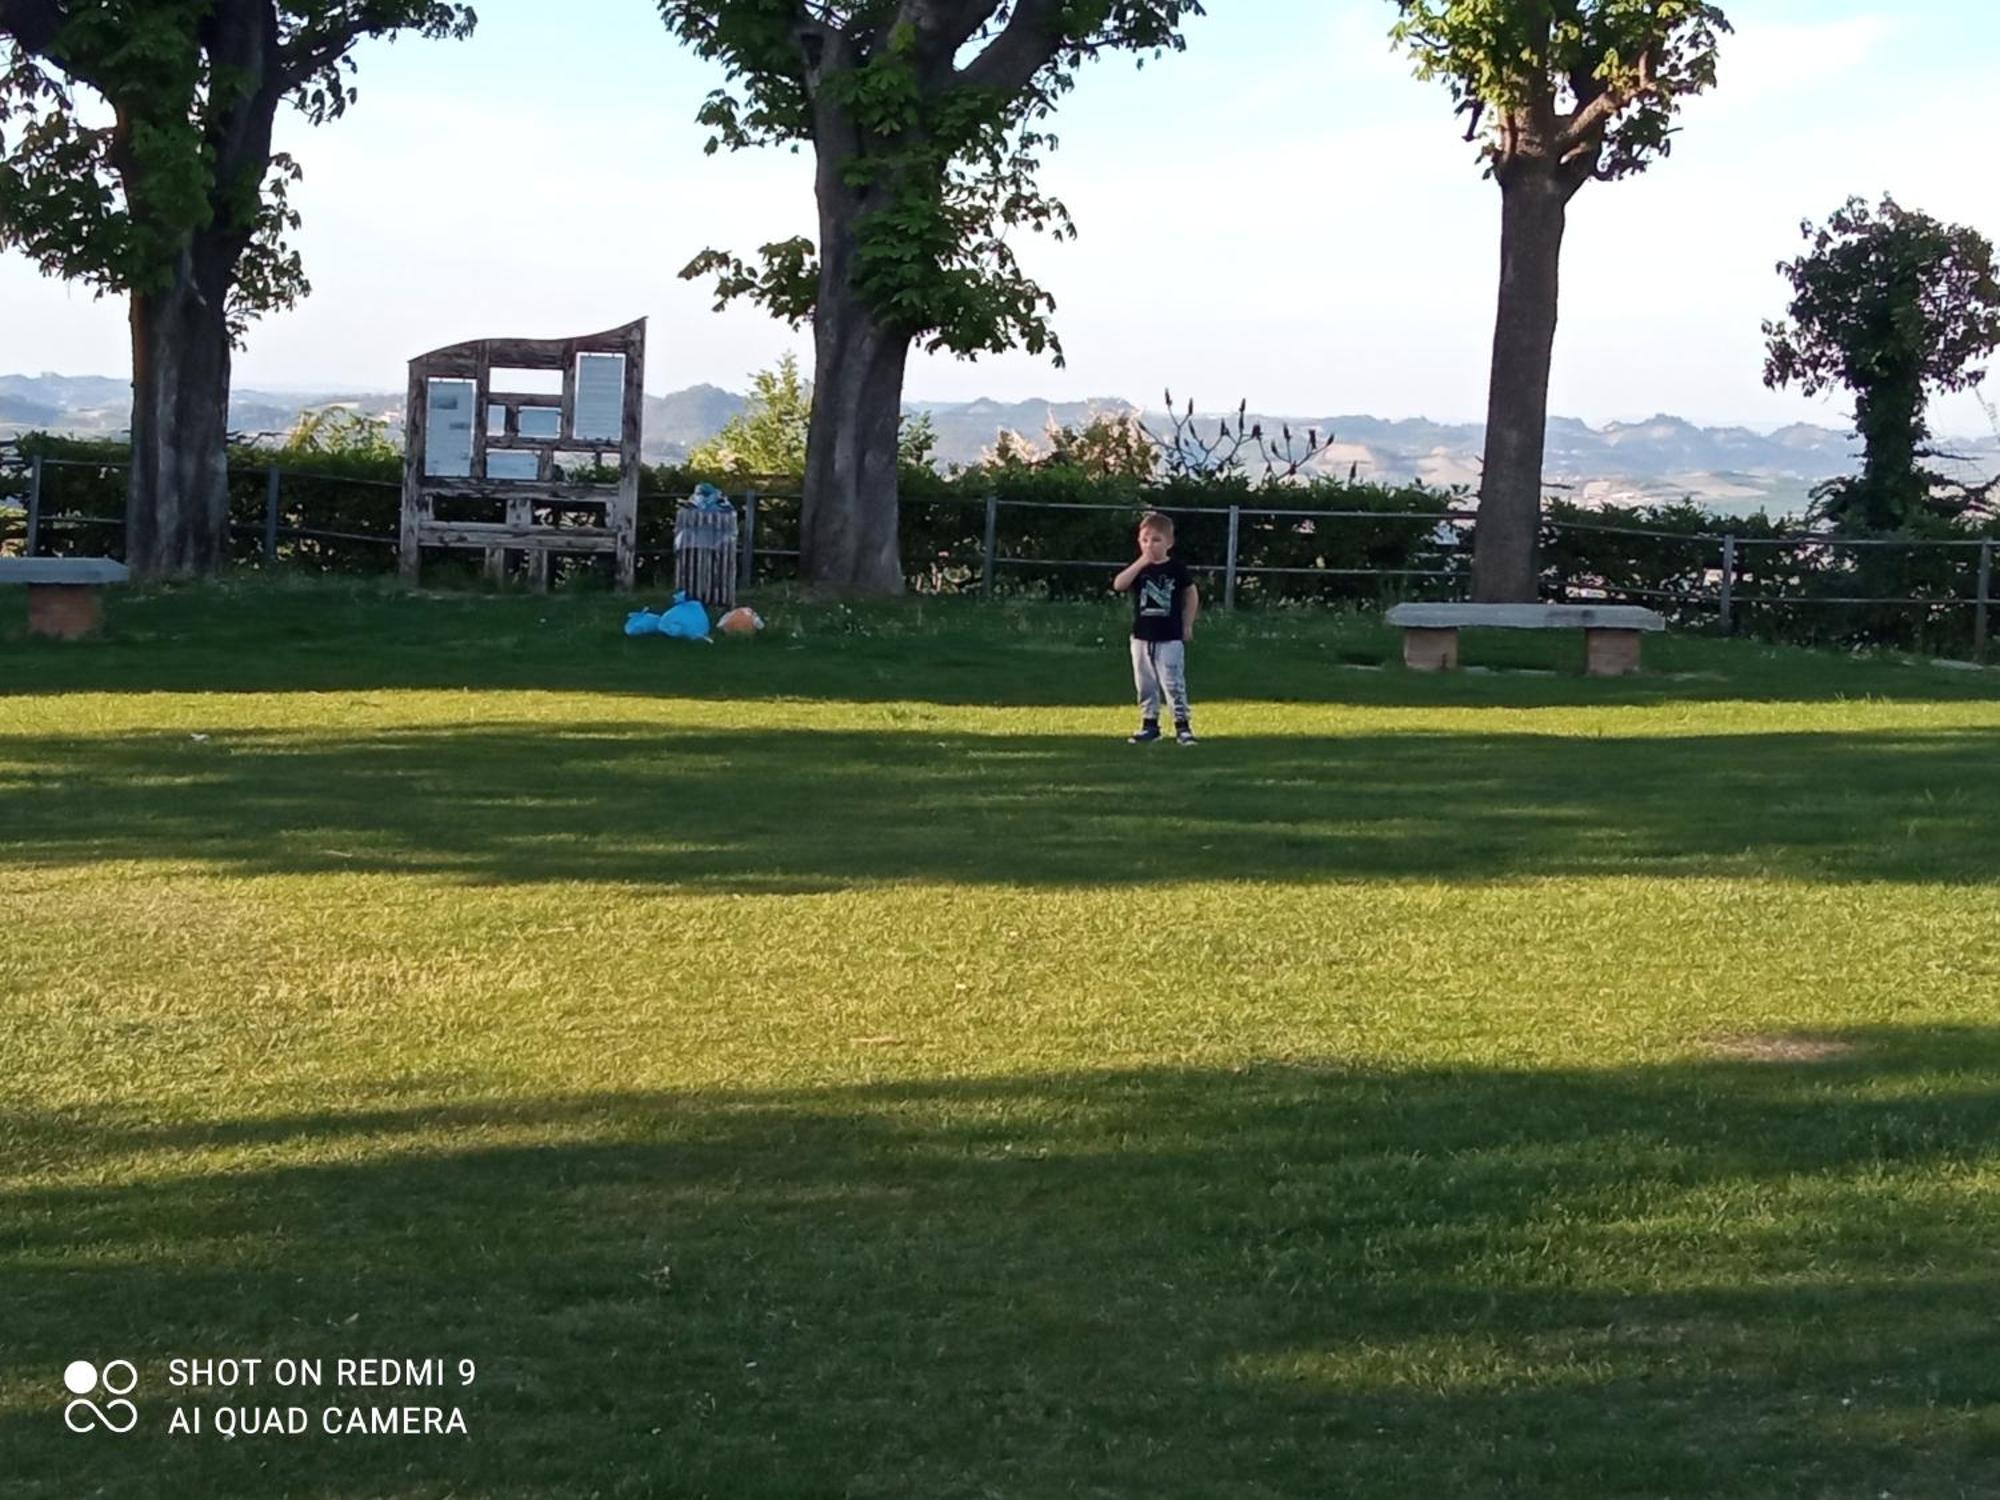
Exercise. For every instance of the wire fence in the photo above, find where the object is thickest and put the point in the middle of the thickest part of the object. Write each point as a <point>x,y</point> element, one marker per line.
<point>1795,584</point>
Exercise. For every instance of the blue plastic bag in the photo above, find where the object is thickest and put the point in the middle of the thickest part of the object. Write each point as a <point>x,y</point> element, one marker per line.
<point>685,620</point>
<point>642,622</point>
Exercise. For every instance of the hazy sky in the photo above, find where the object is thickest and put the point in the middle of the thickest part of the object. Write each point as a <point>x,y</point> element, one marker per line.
<point>1280,213</point>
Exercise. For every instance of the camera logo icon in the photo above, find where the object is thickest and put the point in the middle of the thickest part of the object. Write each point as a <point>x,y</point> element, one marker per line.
<point>117,1379</point>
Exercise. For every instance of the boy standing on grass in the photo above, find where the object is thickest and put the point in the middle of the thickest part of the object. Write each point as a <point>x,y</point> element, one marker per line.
<point>1164,603</point>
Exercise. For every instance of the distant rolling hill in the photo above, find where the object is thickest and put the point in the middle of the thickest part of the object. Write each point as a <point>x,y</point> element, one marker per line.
<point>1732,470</point>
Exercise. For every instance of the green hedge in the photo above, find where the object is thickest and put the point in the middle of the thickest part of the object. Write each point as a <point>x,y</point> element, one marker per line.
<point>1047,523</point>
<point>1060,533</point>
<point>1789,580</point>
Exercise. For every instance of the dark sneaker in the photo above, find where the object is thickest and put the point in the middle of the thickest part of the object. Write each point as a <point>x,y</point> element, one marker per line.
<point>1185,734</point>
<point>1146,735</point>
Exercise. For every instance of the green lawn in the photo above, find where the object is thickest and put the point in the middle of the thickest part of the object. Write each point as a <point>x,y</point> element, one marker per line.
<point>837,1065</point>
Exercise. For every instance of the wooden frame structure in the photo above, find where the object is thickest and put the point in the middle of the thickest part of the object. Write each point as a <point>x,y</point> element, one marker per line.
<point>487,467</point>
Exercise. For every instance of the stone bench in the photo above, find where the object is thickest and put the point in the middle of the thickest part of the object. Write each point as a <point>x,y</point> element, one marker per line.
<point>1610,631</point>
<point>62,591</point>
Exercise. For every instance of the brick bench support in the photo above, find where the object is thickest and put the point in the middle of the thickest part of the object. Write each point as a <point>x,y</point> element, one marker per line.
<point>63,592</point>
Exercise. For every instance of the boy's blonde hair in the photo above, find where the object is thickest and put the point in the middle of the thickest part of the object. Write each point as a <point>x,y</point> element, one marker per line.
<point>1152,520</point>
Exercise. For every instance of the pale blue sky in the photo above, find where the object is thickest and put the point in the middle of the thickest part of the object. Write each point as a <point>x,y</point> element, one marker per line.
<point>1281,213</point>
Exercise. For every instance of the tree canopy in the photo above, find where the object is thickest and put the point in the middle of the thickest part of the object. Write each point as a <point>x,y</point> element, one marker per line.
<point>1590,86</point>
<point>1557,93</point>
<point>129,126</point>
<point>931,112</point>
<point>767,439</point>
<point>1894,306</point>
<point>136,157</point>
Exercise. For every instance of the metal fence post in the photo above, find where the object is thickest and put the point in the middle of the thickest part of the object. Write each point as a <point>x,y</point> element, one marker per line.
<point>34,502</point>
<point>986,558</point>
<point>1229,567</point>
<point>1985,598</point>
<point>746,553</point>
<point>271,483</point>
<point>1728,599</point>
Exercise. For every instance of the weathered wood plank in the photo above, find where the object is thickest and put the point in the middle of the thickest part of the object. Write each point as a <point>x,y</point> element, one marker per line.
<point>476,534</point>
<point>517,443</point>
<point>624,518</point>
<point>529,354</point>
<point>415,432</point>
<point>476,360</point>
<point>565,491</point>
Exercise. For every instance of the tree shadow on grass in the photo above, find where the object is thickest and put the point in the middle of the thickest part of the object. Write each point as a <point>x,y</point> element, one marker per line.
<point>1710,1277</point>
<point>803,811</point>
<point>270,637</point>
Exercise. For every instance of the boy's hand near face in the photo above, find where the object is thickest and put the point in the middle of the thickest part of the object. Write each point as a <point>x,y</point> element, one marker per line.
<point>1152,549</point>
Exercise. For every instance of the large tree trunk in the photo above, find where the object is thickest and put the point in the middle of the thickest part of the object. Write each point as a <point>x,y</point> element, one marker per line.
<point>848,534</point>
<point>177,509</point>
<point>1534,207</point>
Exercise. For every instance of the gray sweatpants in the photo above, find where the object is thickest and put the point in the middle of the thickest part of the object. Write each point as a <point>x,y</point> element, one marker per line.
<point>1159,668</point>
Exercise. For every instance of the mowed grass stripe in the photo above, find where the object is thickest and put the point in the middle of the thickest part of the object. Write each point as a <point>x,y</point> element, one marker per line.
<point>837,1066</point>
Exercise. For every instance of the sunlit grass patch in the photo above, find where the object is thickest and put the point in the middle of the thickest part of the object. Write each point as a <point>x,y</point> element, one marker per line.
<point>838,1064</point>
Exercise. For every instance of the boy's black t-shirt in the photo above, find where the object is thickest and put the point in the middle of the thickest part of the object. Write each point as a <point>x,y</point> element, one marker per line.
<point>1159,597</point>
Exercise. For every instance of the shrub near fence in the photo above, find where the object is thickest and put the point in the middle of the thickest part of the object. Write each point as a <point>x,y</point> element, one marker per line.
<point>1328,541</point>
<point>336,512</point>
<point>81,494</point>
<point>1054,533</point>
<point>1060,533</point>
<point>1666,557</point>
<point>1782,578</point>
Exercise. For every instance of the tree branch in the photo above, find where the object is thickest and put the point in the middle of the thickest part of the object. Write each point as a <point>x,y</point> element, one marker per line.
<point>309,53</point>
<point>244,40</point>
<point>946,25</point>
<point>317,48</point>
<point>1584,85</point>
<point>1023,48</point>
<point>823,47</point>
<point>32,23</point>
<point>1594,113</point>
<point>35,25</point>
